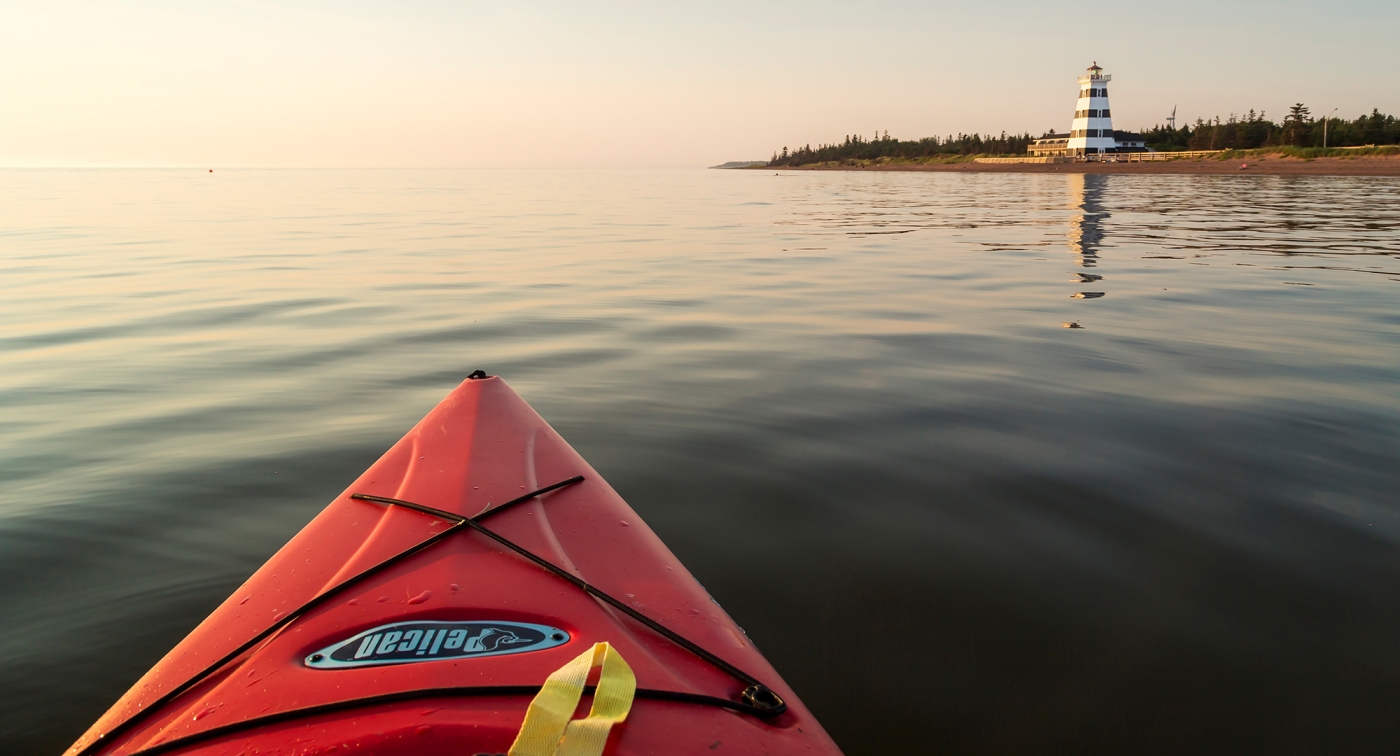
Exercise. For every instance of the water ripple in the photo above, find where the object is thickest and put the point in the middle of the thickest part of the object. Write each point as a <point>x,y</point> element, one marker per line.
<point>1036,457</point>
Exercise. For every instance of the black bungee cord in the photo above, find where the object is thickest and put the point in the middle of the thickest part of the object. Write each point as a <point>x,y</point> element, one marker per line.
<point>756,695</point>
<point>757,699</point>
<point>350,704</point>
<point>289,617</point>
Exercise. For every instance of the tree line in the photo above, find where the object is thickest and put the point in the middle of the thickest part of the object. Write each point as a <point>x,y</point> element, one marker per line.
<point>1254,130</point>
<point>1250,131</point>
<point>857,147</point>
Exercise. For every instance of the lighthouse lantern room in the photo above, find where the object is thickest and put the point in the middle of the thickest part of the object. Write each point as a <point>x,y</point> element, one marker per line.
<point>1091,131</point>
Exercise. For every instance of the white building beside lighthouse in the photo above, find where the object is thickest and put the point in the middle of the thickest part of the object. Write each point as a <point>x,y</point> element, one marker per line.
<point>1091,132</point>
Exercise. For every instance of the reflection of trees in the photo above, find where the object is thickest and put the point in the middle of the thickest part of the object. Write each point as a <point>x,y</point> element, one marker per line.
<point>1085,228</point>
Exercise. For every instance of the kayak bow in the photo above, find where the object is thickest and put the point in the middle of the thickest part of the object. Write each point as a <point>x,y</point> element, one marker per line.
<point>475,573</point>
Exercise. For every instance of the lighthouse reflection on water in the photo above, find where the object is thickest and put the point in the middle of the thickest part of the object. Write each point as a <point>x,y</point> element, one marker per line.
<point>1086,232</point>
<point>1085,227</point>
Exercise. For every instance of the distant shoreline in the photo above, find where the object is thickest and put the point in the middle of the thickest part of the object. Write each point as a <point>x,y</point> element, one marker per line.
<point>1269,165</point>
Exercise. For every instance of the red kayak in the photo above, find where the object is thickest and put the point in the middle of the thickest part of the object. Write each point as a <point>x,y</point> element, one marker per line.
<point>479,590</point>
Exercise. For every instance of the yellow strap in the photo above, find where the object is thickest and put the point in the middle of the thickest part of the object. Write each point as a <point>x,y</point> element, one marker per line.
<point>547,730</point>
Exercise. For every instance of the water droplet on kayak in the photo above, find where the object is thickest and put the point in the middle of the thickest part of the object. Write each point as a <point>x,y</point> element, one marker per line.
<point>423,730</point>
<point>354,602</point>
<point>277,615</point>
<point>624,523</point>
<point>454,586</point>
<point>244,601</point>
<point>203,713</point>
<point>631,595</point>
<point>383,599</point>
<point>426,712</point>
<point>420,598</point>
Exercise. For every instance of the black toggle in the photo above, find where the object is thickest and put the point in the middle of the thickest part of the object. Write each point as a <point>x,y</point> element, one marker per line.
<point>761,697</point>
<point>477,374</point>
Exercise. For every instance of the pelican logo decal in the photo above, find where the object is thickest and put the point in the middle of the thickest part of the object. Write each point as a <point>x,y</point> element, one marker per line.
<point>408,642</point>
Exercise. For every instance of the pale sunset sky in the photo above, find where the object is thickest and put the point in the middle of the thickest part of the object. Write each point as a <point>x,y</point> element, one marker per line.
<point>419,83</point>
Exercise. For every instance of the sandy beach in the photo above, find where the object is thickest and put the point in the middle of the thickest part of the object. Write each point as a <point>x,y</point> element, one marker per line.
<point>1388,165</point>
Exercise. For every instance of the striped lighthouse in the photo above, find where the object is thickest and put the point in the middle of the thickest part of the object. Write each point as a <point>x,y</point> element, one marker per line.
<point>1092,129</point>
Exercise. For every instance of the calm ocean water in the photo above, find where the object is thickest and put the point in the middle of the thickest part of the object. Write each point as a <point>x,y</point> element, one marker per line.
<point>849,402</point>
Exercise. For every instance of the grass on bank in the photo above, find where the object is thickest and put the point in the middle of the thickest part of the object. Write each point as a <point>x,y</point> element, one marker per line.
<point>1312,153</point>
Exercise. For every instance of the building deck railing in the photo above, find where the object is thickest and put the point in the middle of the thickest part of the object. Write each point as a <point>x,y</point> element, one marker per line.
<point>1141,157</point>
<point>1026,159</point>
<point>1128,157</point>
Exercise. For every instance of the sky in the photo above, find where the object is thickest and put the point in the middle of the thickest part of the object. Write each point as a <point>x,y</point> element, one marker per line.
<point>431,83</point>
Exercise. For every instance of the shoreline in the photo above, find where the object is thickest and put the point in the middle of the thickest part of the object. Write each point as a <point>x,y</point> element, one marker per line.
<point>1268,165</point>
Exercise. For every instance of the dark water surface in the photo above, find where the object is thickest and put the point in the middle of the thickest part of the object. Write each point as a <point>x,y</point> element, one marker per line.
<point>846,401</point>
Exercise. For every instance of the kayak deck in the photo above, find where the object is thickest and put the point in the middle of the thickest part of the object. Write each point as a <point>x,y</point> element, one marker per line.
<point>248,680</point>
